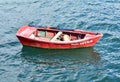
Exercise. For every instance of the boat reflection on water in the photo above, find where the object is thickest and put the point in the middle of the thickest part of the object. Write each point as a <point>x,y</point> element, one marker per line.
<point>64,57</point>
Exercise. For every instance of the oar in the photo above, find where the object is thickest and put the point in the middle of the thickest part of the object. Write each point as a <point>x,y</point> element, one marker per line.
<point>38,25</point>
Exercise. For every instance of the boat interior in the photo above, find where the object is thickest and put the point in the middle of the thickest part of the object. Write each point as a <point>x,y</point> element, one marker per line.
<point>56,35</point>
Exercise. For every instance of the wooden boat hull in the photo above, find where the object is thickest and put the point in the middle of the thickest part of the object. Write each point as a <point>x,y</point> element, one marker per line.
<point>23,38</point>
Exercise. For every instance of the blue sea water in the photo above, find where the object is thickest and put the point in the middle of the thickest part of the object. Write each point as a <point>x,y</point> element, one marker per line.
<point>100,63</point>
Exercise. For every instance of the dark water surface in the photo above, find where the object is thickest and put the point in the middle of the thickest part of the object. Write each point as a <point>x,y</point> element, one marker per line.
<point>100,63</point>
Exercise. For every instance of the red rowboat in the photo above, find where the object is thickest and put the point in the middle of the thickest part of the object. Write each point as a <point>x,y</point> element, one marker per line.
<point>56,39</point>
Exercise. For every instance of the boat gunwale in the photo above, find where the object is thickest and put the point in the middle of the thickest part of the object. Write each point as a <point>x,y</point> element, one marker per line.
<point>62,42</point>
<point>96,35</point>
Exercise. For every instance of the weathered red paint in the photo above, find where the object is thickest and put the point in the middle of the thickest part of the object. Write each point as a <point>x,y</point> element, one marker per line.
<point>24,32</point>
